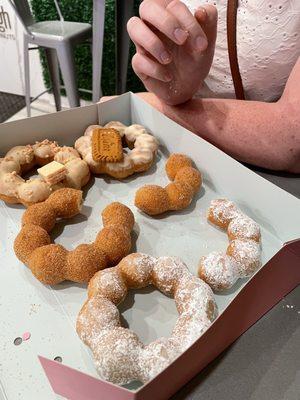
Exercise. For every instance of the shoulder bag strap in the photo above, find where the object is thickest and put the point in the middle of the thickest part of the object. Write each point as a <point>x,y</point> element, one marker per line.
<point>232,6</point>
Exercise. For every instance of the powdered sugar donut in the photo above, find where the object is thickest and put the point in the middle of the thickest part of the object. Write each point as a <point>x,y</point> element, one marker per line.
<point>119,355</point>
<point>156,356</point>
<point>218,270</point>
<point>221,212</point>
<point>247,255</point>
<point>167,273</point>
<point>136,270</point>
<point>108,283</point>
<point>243,227</point>
<point>243,254</point>
<point>143,148</point>
<point>116,353</point>
<point>194,296</point>
<point>97,314</point>
<point>188,328</point>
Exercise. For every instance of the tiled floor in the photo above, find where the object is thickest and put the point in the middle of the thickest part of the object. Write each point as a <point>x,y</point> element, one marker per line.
<point>43,105</point>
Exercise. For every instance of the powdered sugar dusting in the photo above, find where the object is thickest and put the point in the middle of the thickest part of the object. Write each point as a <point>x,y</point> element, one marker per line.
<point>189,327</point>
<point>222,211</point>
<point>218,270</point>
<point>109,284</point>
<point>243,227</point>
<point>157,356</point>
<point>195,297</point>
<point>243,256</point>
<point>247,254</point>
<point>119,355</point>
<point>137,269</point>
<point>97,316</point>
<point>166,273</point>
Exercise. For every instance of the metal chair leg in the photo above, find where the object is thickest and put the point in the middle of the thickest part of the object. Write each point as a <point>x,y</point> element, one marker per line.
<point>97,47</point>
<point>124,11</point>
<point>27,76</point>
<point>54,75</point>
<point>67,65</point>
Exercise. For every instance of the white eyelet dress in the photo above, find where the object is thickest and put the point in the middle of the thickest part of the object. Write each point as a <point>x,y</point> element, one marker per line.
<point>268,46</point>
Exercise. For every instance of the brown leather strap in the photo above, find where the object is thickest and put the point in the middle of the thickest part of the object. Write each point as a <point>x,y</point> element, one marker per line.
<point>232,6</point>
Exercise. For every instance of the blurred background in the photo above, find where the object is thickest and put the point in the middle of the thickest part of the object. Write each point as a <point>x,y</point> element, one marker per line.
<point>12,79</point>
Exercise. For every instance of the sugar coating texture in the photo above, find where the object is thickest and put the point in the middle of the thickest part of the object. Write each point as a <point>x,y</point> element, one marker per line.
<point>218,270</point>
<point>177,195</point>
<point>243,227</point>
<point>120,357</point>
<point>221,212</point>
<point>21,159</point>
<point>247,254</point>
<point>243,255</point>
<point>51,263</point>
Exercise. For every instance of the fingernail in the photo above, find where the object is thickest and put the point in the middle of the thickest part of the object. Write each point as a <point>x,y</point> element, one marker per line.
<point>180,35</point>
<point>200,43</point>
<point>201,15</point>
<point>202,10</point>
<point>165,57</point>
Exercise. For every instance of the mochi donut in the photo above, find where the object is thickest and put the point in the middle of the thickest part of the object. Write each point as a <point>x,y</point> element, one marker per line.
<point>52,263</point>
<point>177,195</point>
<point>140,156</point>
<point>21,159</point>
<point>120,356</point>
<point>243,255</point>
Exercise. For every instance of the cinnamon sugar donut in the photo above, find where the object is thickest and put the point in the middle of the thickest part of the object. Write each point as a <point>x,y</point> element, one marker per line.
<point>142,150</point>
<point>21,159</point>
<point>52,263</point>
<point>119,355</point>
<point>154,199</point>
<point>243,255</point>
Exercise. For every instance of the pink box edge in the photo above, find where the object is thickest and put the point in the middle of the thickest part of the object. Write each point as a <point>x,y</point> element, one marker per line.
<point>76,385</point>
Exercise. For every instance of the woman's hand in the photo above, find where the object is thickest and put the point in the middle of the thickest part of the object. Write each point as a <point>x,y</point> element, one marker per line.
<point>174,48</point>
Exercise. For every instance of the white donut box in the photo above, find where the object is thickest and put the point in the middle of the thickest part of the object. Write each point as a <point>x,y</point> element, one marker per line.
<point>28,371</point>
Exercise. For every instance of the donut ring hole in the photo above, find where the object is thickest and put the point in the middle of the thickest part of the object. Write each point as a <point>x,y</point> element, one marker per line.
<point>142,306</point>
<point>120,356</point>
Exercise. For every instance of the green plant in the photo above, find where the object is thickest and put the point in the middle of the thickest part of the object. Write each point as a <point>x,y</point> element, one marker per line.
<point>81,11</point>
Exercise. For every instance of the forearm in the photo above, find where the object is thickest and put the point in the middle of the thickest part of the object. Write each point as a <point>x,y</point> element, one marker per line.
<point>258,133</point>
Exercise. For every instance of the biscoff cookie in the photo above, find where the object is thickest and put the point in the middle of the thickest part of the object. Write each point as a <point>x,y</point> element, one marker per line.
<point>138,157</point>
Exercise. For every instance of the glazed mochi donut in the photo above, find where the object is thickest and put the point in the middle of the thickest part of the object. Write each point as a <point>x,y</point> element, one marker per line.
<point>52,263</point>
<point>143,148</point>
<point>154,199</point>
<point>243,255</point>
<point>119,355</point>
<point>21,159</point>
